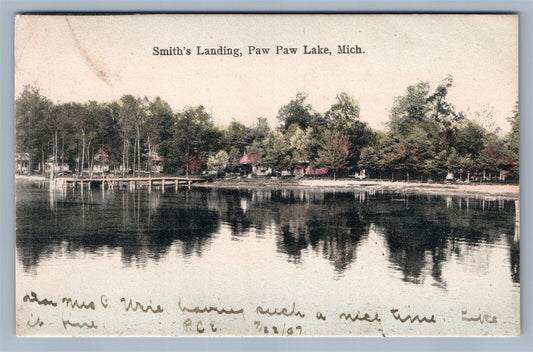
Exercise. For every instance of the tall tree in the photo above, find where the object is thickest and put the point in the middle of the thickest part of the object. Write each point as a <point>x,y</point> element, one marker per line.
<point>512,144</point>
<point>235,139</point>
<point>194,134</point>
<point>301,143</point>
<point>343,117</point>
<point>32,113</point>
<point>299,112</point>
<point>277,151</point>
<point>410,108</point>
<point>89,120</point>
<point>158,128</point>
<point>343,113</point>
<point>441,111</point>
<point>372,157</point>
<point>470,138</point>
<point>218,161</point>
<point>132,114</point>
<point>64,131</point>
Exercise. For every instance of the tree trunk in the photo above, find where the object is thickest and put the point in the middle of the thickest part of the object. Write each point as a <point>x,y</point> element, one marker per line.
<point>55,150</point>
<point>82,151</point>
<point>90,154</point>
<point>127,155</point>
<point>123,156</point>
<point>187,163</point>
<point>78,164</point>
<point>134,157</point>
<point>138,152</point>
<point>149,163</point>
<point>42,158</point>
<point>62,152</point>
<point>89,164</point>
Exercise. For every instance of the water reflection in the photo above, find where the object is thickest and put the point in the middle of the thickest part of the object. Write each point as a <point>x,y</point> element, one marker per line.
<point>140,225</point>
<point>421,232</point>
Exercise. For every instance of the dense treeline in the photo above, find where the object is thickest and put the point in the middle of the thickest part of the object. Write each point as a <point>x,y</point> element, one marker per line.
<point>426,138</point>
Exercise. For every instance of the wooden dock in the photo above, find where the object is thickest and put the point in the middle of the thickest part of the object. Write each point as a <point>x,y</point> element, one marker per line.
<point>161,182</point>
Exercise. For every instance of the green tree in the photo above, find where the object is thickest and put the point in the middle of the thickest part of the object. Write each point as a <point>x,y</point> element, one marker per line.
<point>158,128</point>
<point>257,134</point>
<point>194,135</point>
<point>32,114</point>
<point>512,144</point>
<point>423,126</point>
<point>67,129</point>
<point>132,115</point>
<point>410,108</point>
<point>95,128</point>
<point>218,161</point>
<point>489,161</point>
<point>343,114</point>
<point>277,151</point>
<point>372,159</point>
<point>441,111</point>
<point>301,143</point>
<point>235,139</point>
<point>469,138</point>
<point>297,111</point>
<point>343,118</point>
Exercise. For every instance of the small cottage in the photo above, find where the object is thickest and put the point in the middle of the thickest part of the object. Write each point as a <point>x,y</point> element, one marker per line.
<point>309,169</point>
<point>22,163</point>
<point>102,160</point>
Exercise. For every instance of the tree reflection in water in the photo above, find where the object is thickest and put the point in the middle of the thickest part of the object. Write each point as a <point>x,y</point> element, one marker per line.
<point>140,225</point>
<point>421,232</point>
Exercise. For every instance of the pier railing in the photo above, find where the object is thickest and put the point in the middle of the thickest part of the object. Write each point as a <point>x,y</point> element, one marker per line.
<point>131,183</point>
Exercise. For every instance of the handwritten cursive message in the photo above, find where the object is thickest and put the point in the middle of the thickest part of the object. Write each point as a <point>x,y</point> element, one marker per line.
<point>109,315</point>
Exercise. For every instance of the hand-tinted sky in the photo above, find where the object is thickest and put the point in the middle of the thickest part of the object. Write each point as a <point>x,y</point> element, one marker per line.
<point>81,58</point>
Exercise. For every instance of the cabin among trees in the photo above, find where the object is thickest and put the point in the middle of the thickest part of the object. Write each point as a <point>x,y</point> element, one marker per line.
<point>103,160</point>
<point>309,169</point>
<point>155,162</point>
<point>22,163</point>
<point>53,168</point>
<point>251,164</point>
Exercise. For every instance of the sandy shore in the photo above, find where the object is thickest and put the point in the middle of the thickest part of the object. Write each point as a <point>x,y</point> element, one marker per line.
<point>495,190</point>
<point>31,178</point>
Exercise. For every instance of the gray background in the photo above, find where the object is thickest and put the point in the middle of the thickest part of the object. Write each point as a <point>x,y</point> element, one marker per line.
<point>8,340</point>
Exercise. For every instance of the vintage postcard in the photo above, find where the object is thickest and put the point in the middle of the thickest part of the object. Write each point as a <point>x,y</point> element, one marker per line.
<point>267,175</point>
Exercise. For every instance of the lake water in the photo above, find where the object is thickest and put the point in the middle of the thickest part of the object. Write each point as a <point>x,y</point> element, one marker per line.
<point>321,253</point>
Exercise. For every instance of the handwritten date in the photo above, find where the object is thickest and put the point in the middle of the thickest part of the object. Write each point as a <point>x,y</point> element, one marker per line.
<point>276,330</point>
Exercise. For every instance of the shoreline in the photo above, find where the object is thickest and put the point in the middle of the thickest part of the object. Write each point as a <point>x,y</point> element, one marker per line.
<point>510,191</point>
<point>495,190</point>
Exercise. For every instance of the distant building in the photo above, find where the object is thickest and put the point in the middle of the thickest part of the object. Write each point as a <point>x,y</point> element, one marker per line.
<point>250,157</point>
<point>309,169</point>
<point>102,160</point>
<point>156,162</point>
<point>55,168</point>
<point>449,176</point>
<point>360,175</point>
<point>22,163</point>
<point>250,161</point>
